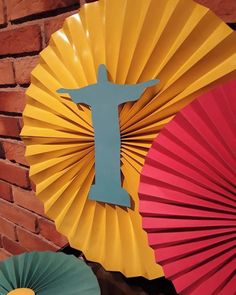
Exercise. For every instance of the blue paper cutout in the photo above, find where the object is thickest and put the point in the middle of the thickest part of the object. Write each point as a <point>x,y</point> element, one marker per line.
<point>104,97</point>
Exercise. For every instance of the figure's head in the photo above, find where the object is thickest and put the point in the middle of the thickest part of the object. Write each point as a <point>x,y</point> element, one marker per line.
<point>102,74</point>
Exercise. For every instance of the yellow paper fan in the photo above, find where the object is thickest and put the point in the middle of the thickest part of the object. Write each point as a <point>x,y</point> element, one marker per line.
<point>177,41</point>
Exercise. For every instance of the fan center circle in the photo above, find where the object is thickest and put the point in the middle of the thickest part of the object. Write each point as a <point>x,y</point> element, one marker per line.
<point>21,291</point>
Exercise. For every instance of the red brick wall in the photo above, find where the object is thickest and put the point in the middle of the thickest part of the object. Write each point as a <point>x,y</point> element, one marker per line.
<point>225,9</point>
<point>25,28</point>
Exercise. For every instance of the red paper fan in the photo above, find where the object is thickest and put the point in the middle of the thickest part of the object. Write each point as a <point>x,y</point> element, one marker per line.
<point>188,195</point>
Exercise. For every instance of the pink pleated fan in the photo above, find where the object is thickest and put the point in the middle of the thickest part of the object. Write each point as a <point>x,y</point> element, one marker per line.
<point>188,195</point>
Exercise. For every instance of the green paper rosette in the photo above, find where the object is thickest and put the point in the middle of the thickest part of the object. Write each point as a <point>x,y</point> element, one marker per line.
<point>46,273</point>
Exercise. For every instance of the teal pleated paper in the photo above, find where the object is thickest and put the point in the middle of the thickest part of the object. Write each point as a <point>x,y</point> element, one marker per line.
<point>47,273</point>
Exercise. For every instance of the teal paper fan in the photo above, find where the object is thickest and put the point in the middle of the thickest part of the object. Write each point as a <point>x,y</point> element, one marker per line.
<point>46,273</point>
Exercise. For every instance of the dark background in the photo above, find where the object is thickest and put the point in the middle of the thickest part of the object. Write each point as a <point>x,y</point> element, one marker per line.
<point>114,283</point>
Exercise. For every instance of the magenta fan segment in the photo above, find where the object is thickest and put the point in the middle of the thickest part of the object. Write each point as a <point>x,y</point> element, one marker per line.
<point>188,195</point>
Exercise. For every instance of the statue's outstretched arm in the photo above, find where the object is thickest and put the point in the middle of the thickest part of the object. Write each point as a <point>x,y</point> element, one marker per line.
<point>133,92</point>
<point>80,95</point>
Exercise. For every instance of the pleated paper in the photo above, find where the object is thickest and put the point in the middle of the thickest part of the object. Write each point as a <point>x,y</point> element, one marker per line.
<point>46,273</point>
<point>177,41</point>
<point>188,195</point>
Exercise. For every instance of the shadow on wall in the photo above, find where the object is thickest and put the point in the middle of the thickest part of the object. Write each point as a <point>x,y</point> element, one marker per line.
<point>116,284</point>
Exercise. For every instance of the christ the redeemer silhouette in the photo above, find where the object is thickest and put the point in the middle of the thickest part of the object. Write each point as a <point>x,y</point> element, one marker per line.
<point>104,98</point>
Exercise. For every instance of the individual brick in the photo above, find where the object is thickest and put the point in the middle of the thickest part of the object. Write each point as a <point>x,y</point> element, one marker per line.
<point>48,230</point>
<point>2,16</point>
<point>13,247</point>
<point>22,8</point>
<point>20,39</point>
<point>34,242</point>
<point>14,150</point>
<point>23,68</point>
<point>12,100</point>
<point>6,72</point>
<point>7,229</point>
<point>27,200</point>
<point>10,126</point>
<point>14,174</point>
<point>5,191</point>
<point>18,215</point>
